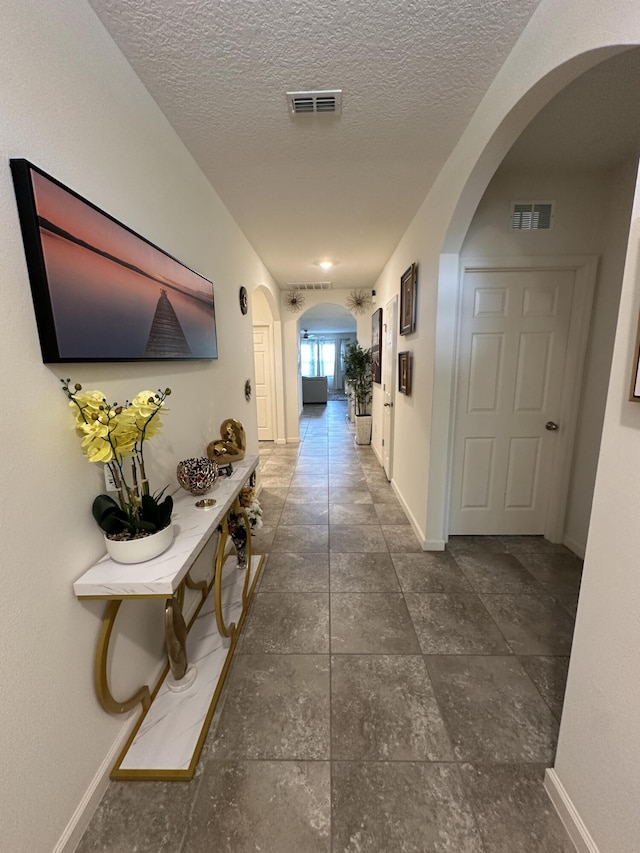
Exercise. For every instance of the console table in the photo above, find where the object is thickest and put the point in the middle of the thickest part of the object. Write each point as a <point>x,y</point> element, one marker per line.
<point>168,738</point>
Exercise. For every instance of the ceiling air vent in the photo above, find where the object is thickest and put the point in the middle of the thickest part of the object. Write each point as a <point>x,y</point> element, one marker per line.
<point>309,285</point>
<point>532,215</point>
<point>303,103</point>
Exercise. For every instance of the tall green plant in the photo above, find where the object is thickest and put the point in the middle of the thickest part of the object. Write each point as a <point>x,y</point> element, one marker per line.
<point>357,372</point>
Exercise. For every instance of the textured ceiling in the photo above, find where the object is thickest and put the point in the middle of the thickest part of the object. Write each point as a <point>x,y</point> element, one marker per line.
<point>592,124</point>
<point>310,187</point>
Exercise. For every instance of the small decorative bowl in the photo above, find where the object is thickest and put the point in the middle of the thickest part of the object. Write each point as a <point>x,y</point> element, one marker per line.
<point>197,475</point>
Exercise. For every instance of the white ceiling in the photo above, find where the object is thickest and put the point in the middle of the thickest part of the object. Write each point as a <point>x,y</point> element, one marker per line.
<point>327,318</point>
<point>594,123</point>
<point>305,188</point>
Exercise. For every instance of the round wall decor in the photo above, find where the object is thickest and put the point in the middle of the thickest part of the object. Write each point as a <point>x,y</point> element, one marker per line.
<point>244,305</point>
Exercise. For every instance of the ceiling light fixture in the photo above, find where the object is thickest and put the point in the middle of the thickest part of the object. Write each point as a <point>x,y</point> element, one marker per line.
<point>326,265</point>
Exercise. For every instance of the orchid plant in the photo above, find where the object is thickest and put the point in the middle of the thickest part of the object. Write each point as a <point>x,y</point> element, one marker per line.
<point>115,435</point>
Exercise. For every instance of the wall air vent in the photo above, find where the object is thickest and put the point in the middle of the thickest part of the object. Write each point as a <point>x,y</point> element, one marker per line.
<point>532,215</point>
<point>304,103</point>
<point>309,285</point>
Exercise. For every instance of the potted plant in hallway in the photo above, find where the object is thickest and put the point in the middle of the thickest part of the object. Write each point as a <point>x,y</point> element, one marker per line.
<point>357,372</point>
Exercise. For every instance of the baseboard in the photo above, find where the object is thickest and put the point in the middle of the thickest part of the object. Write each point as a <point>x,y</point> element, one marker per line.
<point>81,817</point>
<point>573,545</point>
<point>292,440</point>
<point>568,814</point>
<point>433,545</point>
<point>412,521</point>
<point>280,441</point>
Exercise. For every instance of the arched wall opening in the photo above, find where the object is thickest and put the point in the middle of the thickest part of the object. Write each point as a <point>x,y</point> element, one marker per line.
<point>449,281</point>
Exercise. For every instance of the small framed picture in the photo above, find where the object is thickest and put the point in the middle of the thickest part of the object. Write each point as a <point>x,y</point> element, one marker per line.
<point>408,288</point>
<point>634,391</point>
<point>404,373</point>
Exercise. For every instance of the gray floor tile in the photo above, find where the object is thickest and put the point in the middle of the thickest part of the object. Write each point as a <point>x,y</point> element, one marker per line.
<point>391,514</point>
<point>569,602</point>
<point>492,710</point>
<point>350,496</point>
<point>383,708</point>
<point>495,572</point>
<point>144,816</point>
<point>352,513</point>
<point>294,512</point>
<point>388,807</point>
<point>558,573</point>
<point>300,538</point>
<point>475,544</point>
<point>272,806</point>
<point>549,674</point>
<point>532,624</point>
<point>513,811</point>
<point>301,494</point>
<point>371,623</point>
<point>286,623</point>
<point>276,481</point>
<point>527,544</point>
<point>454,624</point>
<point>429,571</point>
<point>356,538</point>
<point>401,539</point>
<point>277,707</point>
<point>261,542</point>
<point>363,573</point>
<point>310,481</point>
<point>296,573</point>
<point>347,481</point>
<point>384,495</point>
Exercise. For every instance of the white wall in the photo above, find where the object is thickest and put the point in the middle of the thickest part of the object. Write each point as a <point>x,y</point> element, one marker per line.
<point>599,743</point>
<point>592,217</point>
<point>597,758</point>
<point>72,105</point>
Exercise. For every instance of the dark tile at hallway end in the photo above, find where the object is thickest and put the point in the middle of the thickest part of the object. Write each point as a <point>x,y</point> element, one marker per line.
<point>384,807</point>
<point>513,810</point>
<point>286,623</point>
<point>383,708</point>
<point>492,710</point>
<point>532,624</point>
<point>276,707</point>
<point>454,624</point>
<point>371,623</point>
<point>245,806</point>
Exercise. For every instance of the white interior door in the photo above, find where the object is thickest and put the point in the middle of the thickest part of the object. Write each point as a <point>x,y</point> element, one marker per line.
<point>263,356</point>
<point>389,322</point>
<point>511,374</point>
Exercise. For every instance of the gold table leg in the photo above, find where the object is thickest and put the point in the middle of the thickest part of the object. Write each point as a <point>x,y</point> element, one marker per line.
<point>108,702</point>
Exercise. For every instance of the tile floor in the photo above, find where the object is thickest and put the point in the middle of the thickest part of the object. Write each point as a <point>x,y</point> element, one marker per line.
<point>381,699</point>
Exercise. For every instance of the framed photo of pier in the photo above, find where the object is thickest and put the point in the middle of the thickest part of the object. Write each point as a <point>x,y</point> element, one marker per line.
<point>100,291</point>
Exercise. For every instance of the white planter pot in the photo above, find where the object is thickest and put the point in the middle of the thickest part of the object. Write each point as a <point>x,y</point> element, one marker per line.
<point>139,550</point>
<point>363,429</point>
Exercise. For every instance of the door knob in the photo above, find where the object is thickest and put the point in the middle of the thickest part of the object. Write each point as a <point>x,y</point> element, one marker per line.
<point>551,425</point>
<point>390,406</point>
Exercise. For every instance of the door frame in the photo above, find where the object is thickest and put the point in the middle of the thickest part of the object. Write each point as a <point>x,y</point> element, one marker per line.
<point>389,318</point>
<point>272,373</point>
<point>585,270</point>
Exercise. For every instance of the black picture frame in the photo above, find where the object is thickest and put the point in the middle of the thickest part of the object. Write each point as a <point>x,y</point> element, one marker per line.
<point>100,291</point>
<point>634,390</point>
<point>408,302</point>
<point>404,373</point>
<point>376,346</point>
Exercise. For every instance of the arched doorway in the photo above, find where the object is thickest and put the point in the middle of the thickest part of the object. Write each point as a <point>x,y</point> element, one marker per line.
<point>324,333</point>
<point>557,151</point>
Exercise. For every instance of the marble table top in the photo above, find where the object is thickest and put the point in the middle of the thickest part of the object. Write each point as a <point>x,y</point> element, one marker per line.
<point>162,576</point>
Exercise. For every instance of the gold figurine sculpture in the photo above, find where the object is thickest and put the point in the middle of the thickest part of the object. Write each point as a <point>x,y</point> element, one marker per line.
<point>231,445</point>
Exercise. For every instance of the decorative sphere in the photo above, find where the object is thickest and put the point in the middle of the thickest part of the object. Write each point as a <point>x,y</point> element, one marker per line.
<point>197,475</point>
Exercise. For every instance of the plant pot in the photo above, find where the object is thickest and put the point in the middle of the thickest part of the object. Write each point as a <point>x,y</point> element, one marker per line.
<point>140,550</point>
<point>363,429</point>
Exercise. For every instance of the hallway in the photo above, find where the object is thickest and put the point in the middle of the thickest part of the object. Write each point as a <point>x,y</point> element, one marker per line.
<point>381,698</point>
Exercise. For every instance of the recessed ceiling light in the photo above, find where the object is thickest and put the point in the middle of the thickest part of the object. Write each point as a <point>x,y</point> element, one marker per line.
<point>326,265</point>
